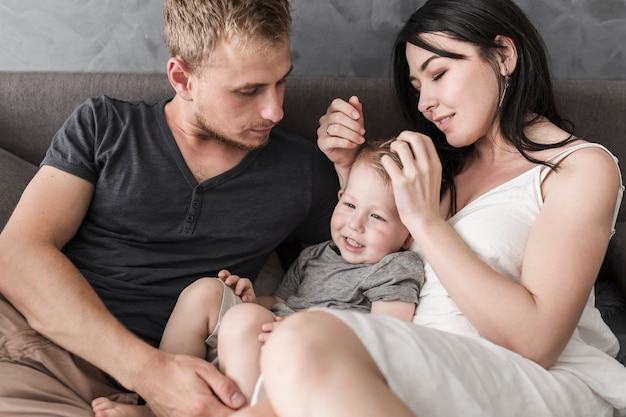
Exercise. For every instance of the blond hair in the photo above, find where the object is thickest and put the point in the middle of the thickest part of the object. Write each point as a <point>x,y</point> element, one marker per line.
<point>193,28</point>
<point>371,152</point>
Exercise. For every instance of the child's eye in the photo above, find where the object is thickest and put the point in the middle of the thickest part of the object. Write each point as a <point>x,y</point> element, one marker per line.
<point>349,205</point>
<point>377,217</point>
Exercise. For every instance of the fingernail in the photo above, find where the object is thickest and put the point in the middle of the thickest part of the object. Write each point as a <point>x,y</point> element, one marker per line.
<point>237,399</point>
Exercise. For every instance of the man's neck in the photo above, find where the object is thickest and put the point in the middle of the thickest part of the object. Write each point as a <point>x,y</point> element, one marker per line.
<point>206,157</point>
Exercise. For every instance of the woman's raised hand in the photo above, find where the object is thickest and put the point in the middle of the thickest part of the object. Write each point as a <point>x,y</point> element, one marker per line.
<point>417,185</point>
<point>341,133</point>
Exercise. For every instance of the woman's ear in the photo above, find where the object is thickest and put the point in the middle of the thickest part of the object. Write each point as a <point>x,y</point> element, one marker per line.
<point>507,61</point>
<point>179,75</point>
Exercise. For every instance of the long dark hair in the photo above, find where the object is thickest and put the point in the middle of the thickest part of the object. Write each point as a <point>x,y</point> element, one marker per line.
<point>530,88</point>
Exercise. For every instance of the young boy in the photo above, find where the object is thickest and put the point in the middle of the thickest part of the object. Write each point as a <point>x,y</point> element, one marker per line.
<point>364,267</point>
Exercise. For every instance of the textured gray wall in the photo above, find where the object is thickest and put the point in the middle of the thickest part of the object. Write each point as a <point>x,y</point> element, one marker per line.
<point>585,38</point>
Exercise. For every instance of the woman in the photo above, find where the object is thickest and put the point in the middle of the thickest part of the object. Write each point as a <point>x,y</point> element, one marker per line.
<point>513,216</point>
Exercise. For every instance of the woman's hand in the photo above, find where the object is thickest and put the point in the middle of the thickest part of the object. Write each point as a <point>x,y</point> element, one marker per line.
<point>341,133</point>
<point>417,185</point>
<point>241,286</point>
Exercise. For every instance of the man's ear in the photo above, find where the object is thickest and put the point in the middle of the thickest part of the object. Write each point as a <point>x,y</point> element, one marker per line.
<point>508,55</point>
<point>179,75</point>
<point>407,242</point>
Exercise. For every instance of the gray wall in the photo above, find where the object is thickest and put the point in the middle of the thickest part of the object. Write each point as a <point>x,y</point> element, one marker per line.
<point>585,38</point>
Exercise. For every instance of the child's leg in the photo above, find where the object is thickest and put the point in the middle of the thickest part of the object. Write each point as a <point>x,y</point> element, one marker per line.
<point>194,317</point>
<point>239,346</point>
<point>103,407</point>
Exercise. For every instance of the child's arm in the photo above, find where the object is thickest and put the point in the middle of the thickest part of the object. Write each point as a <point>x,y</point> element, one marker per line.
<point>268,301</point>
<point>398,309</point>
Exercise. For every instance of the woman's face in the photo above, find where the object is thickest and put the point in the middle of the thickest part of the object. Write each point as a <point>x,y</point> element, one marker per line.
<point>460,96</point>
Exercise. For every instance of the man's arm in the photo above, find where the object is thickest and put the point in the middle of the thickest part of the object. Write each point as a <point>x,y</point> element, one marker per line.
<point>59,303</point>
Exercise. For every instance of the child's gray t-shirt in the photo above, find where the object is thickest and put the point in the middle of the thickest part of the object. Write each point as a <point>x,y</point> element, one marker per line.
<point>320,277</point>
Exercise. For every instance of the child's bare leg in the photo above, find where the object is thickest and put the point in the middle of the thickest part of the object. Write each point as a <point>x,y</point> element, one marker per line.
<point>103,407</point>
<point>194,317</point>
<point>239,346</point>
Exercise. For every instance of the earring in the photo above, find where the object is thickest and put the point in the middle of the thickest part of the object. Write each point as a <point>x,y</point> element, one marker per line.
<point>506,86</point>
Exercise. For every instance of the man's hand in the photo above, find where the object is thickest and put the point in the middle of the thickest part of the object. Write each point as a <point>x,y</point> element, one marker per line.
<point>241,286</point>
<point>186,386</point>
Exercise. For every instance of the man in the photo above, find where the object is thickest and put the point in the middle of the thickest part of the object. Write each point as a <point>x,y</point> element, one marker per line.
<point>133,202</point>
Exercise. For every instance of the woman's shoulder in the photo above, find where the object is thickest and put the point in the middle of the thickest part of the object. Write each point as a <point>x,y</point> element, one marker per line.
<point>584,155</point>
<point>585,169</point>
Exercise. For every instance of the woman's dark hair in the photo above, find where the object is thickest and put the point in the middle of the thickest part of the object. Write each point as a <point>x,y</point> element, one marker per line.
<point>479,22</point>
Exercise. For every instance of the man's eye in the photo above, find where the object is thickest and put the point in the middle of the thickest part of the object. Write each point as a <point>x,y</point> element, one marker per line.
<point>248,92</point>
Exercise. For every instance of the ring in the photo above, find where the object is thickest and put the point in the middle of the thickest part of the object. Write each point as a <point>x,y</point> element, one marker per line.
<point>327,126</point>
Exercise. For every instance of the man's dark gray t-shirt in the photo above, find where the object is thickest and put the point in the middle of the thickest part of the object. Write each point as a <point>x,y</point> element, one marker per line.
<point>151,229</point>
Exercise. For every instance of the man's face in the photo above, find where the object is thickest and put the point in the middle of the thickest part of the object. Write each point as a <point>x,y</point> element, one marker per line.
<point>238,99</point>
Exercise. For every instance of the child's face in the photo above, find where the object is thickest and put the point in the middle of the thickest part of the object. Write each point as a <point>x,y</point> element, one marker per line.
<point>365,225</point>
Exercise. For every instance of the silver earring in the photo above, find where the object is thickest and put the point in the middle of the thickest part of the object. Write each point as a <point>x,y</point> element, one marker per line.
<point>506,86</point>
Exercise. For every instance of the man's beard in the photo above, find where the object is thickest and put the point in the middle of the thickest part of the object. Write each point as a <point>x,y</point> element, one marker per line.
<point>213,134</point>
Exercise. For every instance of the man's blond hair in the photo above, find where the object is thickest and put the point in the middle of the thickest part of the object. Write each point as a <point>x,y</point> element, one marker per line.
<point>193,28</point>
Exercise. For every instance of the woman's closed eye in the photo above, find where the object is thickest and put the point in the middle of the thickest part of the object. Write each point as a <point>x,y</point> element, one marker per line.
<point>438,76</point>
<point>434,78</point>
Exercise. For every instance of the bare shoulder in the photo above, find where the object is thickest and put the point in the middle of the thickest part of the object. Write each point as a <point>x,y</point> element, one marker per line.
<point>589,172</point>
<point>590,160</point>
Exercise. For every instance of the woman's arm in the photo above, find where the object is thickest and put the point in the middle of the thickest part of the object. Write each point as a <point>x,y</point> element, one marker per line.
<point>565,249</point>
